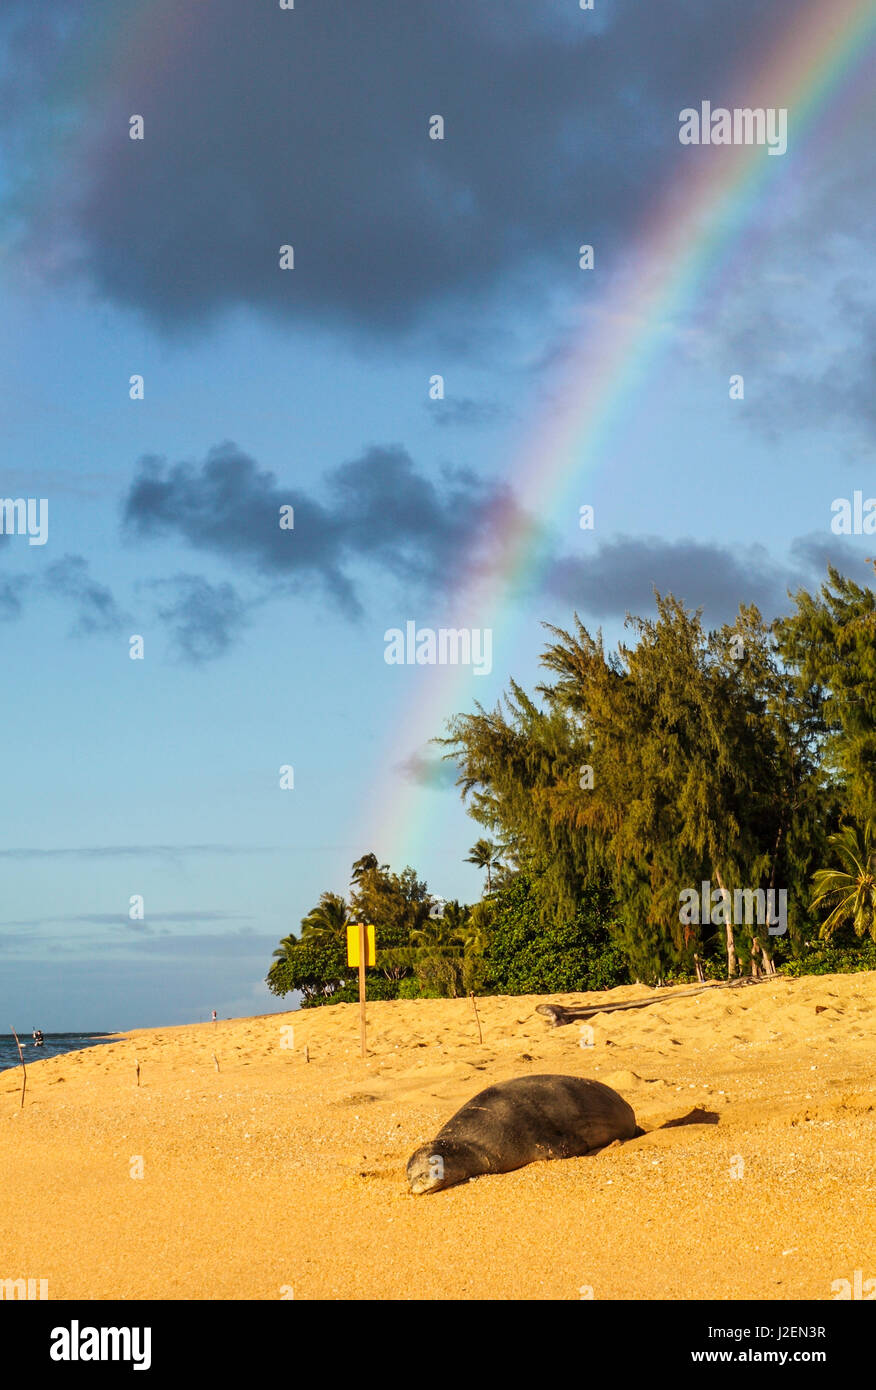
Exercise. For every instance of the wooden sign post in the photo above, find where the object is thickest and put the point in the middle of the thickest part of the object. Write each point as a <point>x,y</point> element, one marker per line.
<point>361,951</point>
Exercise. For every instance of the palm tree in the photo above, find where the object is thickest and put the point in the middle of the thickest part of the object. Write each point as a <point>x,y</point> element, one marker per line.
<point>286,945</point>
<point>326,923</point>
<point>363,866</point>
<point>367,865</point>
<point>455,918</point>
<point>432,935</point>
<point>473,932</point>
<point>851,890</point>
<point>485,855</point>
<point>437,956</point>
<point>444,935</point>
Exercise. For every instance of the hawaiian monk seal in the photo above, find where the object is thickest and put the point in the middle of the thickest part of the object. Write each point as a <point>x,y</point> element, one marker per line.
<point>519,1122</point>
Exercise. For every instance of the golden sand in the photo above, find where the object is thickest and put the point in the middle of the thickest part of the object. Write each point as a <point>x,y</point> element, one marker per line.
<point>275,1177</point>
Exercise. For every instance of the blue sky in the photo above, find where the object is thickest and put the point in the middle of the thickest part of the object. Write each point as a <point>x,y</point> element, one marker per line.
<point>161,777</point>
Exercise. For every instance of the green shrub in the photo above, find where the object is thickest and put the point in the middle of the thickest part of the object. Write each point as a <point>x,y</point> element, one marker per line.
<point>409,988</point>
<point>823,959</point>
<point>529,956</point>
<point>377,986</point>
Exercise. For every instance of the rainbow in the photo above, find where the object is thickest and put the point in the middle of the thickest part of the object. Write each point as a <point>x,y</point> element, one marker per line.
<point>116,66</point>
<point>693,242</point>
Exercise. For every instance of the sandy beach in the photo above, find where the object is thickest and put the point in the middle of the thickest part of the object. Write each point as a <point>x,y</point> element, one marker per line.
<point>275,1177</point>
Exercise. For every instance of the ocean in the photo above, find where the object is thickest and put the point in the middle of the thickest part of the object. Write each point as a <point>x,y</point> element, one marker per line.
<point>55,1044</point>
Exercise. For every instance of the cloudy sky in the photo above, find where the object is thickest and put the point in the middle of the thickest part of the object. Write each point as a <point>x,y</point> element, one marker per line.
<point>310,388</point>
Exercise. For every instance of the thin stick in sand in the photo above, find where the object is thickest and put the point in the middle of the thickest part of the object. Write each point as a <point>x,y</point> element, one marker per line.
<point>306,1053</point>
<point>215,1061</point>
<point>137,1065</point>
<point>474,1005</point>
<point>23,1067</point>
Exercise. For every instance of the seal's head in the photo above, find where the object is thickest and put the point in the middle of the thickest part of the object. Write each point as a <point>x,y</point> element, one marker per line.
<point>427,1169</point>
<point>442,1163</point>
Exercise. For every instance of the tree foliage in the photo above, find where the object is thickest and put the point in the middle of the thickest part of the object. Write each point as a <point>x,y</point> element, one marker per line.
<point>830,645</point>
<point>742,757</point>
<point>685,756</point>
<point>527,956</point>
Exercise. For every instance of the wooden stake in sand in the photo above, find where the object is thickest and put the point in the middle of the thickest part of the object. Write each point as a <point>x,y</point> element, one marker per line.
<point>474,1004</point>
<point>361,951</point>
<point>137,1065</point>
<point>306,1053</point>
<point>215,1061</point>
<point>23,1067</point>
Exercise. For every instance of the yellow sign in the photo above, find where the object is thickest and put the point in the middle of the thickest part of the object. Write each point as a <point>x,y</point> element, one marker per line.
<point>353,944</point>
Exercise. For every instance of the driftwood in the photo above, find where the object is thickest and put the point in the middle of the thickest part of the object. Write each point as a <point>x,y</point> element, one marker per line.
<point>558,1015</point>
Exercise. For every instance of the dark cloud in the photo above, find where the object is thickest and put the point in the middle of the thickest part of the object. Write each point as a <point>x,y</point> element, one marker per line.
<point>622,575</point>
<point>12,588</point>
<point>385,514</point>
<point>380,512</point>
<point>69,580</point>
<point>800,323</point>
<point>203,618</point>
<point>849,555</point>
<point>310,127</point>
<point>96,609</point>
<point>428,772</point>
<point>787,390</point>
